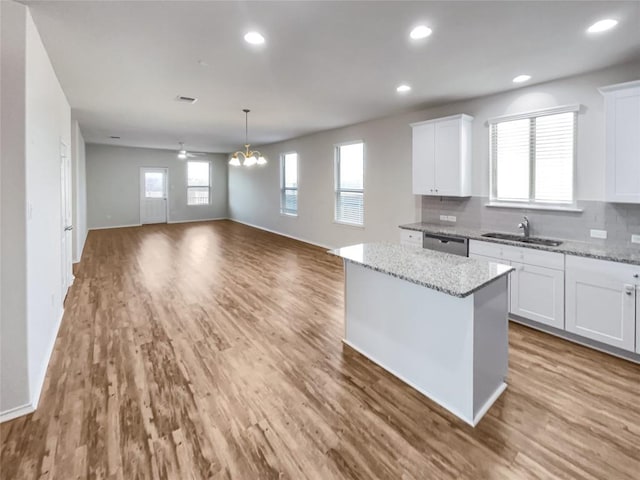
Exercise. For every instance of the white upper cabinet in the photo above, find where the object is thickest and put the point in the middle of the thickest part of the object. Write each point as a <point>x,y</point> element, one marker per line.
<point>442,156</point>
<point>622,118</point>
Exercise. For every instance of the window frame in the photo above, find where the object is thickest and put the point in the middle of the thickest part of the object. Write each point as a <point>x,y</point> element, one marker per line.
<point>531,202</point>
<point>336,183</point>
<point>208,162</point>
<point>284,188</point>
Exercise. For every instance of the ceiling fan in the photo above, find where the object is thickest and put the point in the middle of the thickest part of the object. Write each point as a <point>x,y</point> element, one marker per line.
<point>183,154</point>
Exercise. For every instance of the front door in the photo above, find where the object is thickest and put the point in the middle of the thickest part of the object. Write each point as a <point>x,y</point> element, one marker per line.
<point>153,195</point>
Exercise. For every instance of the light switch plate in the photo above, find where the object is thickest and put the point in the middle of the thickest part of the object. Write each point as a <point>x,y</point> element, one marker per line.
<point>452,218</point>
<point>444,218</point>
<point>635,238</point>
<point>598,233</point>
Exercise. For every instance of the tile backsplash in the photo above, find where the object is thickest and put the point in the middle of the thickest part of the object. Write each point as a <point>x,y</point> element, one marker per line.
<point>619,220</point>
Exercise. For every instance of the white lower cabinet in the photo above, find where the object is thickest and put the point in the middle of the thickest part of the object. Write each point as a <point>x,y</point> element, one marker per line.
<point>537,293</point>
<point>411,237</point>
<point>638,319</point>
<point>536,287</point>
<point>601,301</point>
<point>497,260</point>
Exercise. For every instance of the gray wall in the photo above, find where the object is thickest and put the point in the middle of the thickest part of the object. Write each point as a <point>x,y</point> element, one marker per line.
<point>79,167</point>
<point>14,385</point>
<point>619,220</point>
<point>36,119</point>
<point>254,193</point>
<point>113,185</point>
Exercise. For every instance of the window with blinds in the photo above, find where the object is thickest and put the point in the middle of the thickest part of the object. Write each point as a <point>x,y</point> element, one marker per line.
<point>533,157</point>
<point>198,183</point>
<point>289,183</point>
<point>349,168</point>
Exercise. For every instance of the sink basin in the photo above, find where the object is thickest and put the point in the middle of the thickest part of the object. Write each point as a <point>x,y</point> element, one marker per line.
<point>519,238</point>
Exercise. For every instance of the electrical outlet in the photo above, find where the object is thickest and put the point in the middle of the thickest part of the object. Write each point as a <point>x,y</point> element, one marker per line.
<point>452,218</point>
<point>444,218</point>
<point>635,238</point>
<point>598,233</point>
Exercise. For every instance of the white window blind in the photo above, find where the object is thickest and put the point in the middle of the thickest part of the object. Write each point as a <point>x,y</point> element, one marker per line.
<point>350,183</point>
<point>198,183</point>
<point>533,158</point>
<point>289,184</point>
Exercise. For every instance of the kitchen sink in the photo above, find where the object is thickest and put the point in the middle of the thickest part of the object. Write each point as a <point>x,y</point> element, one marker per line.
<point>519,238</point>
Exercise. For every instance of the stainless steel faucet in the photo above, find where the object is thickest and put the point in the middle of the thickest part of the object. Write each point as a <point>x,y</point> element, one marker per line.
<point>526,226</point>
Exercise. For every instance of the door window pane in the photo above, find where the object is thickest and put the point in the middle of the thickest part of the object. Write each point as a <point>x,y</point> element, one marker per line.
<point>153,184</point>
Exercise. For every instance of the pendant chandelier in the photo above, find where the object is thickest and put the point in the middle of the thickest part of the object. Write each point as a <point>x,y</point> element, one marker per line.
<point>247,158</point>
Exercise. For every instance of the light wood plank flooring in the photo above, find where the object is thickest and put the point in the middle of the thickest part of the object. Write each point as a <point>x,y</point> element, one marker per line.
<point>212,350</point>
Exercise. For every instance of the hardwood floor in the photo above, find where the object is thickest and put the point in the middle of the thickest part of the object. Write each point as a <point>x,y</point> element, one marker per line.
<point>212,350</point>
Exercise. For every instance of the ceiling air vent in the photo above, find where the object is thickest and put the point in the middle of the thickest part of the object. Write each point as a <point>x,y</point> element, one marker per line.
<point>185,99</point>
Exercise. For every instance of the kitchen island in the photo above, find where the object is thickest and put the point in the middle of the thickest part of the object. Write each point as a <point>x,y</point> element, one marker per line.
<point>436,321</point>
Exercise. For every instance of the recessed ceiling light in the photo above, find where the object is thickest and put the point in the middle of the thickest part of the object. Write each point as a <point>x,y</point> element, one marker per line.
<point>254,38</point>
<point>421,31</point>
<point>521,78</point>
<point>602,25</point>
<point>404,88</point>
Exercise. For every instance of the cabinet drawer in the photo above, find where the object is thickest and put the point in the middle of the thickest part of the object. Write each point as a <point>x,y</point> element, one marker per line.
<point>411,237</point>
<point>524,255</point>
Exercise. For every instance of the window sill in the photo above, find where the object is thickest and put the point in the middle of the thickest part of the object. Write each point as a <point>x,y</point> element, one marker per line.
<point>199,205</point>
<point>534,206</point>
<point>285,214</point>
<point>347,224</point>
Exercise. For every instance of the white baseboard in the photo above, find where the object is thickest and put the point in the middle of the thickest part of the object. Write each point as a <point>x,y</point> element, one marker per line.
<point>16,412</point>
<point>300,239</point>
<point>199,220</point>
<point>35,397</point>
<point>116,226</point>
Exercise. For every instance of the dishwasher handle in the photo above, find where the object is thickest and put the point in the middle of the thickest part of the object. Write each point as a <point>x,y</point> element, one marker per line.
<point>444,239</point>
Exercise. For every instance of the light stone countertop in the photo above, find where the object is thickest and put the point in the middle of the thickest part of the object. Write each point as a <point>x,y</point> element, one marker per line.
<point>615,253</point>
<point>450,274</point>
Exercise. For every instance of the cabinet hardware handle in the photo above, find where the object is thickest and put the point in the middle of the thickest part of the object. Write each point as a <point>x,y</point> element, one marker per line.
<point>635,275</point>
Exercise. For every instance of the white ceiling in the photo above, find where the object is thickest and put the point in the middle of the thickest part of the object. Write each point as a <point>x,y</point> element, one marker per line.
<point>324,64</point>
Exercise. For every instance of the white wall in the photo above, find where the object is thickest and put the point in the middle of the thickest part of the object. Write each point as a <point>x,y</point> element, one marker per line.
<point>113,185</point>
<point>79,181</point>
<point>254,193</point>
<point>36,118</point>
<point>48,124</point>
<point>14,387</point>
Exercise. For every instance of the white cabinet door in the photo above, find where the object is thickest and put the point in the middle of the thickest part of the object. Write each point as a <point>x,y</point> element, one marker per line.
<point>537,293</point>
<point>423,156</point>
<point>503,262</point>
<point>447,156</point>
<point>638,319</point>
<point>622,107</point>
<point>441,156</point>
<point>411,237</point>
<point>601,301</point>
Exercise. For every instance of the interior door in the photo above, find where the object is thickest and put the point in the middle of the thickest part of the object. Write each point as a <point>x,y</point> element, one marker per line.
<point>66,229</point>
<point>153,195</point>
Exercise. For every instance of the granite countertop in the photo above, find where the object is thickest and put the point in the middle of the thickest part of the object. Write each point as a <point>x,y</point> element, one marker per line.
<point>450,274</point>
<point>615,253</point>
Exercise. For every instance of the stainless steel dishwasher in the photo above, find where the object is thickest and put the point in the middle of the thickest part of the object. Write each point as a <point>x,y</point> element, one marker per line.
<point>445,243</point>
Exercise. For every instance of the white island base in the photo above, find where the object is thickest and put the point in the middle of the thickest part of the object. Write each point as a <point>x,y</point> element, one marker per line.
<point>453,350</point>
